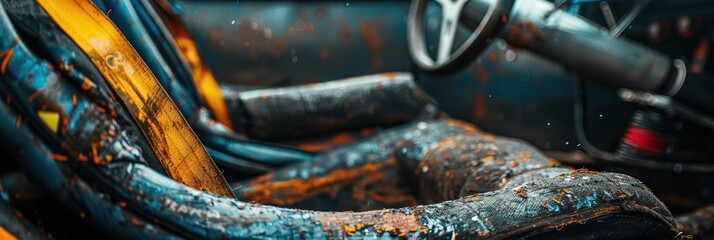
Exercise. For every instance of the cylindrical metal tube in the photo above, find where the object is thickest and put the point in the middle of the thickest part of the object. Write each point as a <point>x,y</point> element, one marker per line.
<point>579,44</point>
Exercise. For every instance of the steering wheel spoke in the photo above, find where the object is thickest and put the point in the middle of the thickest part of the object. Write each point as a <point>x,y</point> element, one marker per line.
<point>451,10</point>
<point>448,56</point>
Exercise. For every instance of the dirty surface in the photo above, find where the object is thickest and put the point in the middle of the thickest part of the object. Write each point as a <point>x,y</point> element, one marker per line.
<point>525,194</point>
<point>698,224</point>
<point>379,100</point>
<point>360,176</point>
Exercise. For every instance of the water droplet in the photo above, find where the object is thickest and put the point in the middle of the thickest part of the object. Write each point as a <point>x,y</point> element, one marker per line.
<point>501,44</point>
<point>510,55</point>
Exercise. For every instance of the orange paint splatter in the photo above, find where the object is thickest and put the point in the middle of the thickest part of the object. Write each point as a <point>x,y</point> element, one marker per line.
<point>5,55</point>
<point>35,94</point>
<point>86,84</point>
<point>82,157</point>
<point>58,157</point>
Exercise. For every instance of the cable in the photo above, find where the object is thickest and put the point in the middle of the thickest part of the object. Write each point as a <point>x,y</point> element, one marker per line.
<point>617,159</point>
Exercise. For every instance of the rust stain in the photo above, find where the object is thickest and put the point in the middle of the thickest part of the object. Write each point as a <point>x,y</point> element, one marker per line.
<point>554,163</point>
<point>482,74</point>
<point>350,229</point>
<point>309,26</point>
<point>514,164</point>
<point>389,75</point>
<point>521,191</point>
<point>395,223</point>
<point>524,33</point>
<point>468,128</point>
<point>276,47</point>
<point>361,179</point>
<point>338,139</point>
<point>324,53</point>
<point>479,107</point>
<point>215,35</point>
<point>699,55</point>
<point>320,12</point>
<point>374,42</point>
<point>487,159</point>
<point>345,35</point>
<point>492,57</point>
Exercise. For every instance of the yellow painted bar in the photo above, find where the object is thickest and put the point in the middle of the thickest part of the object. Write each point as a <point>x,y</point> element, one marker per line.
<point>172,139</point>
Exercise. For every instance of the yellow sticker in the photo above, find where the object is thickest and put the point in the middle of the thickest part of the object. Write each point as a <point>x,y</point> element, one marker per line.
<point>51,119</point>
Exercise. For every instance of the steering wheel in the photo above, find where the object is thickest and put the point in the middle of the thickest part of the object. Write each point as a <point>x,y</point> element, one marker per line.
<point>448,61</point>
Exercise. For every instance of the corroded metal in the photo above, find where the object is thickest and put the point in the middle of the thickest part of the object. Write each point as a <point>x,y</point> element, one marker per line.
<point>359,176</point>
<point>14,226</point>
<point>470,184</point>
<point>202,76</point>
<point>172,139</point>
<point>368,101</point>
<point>230,149</point>
<point>698,224</point>
<point>16,187</point>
